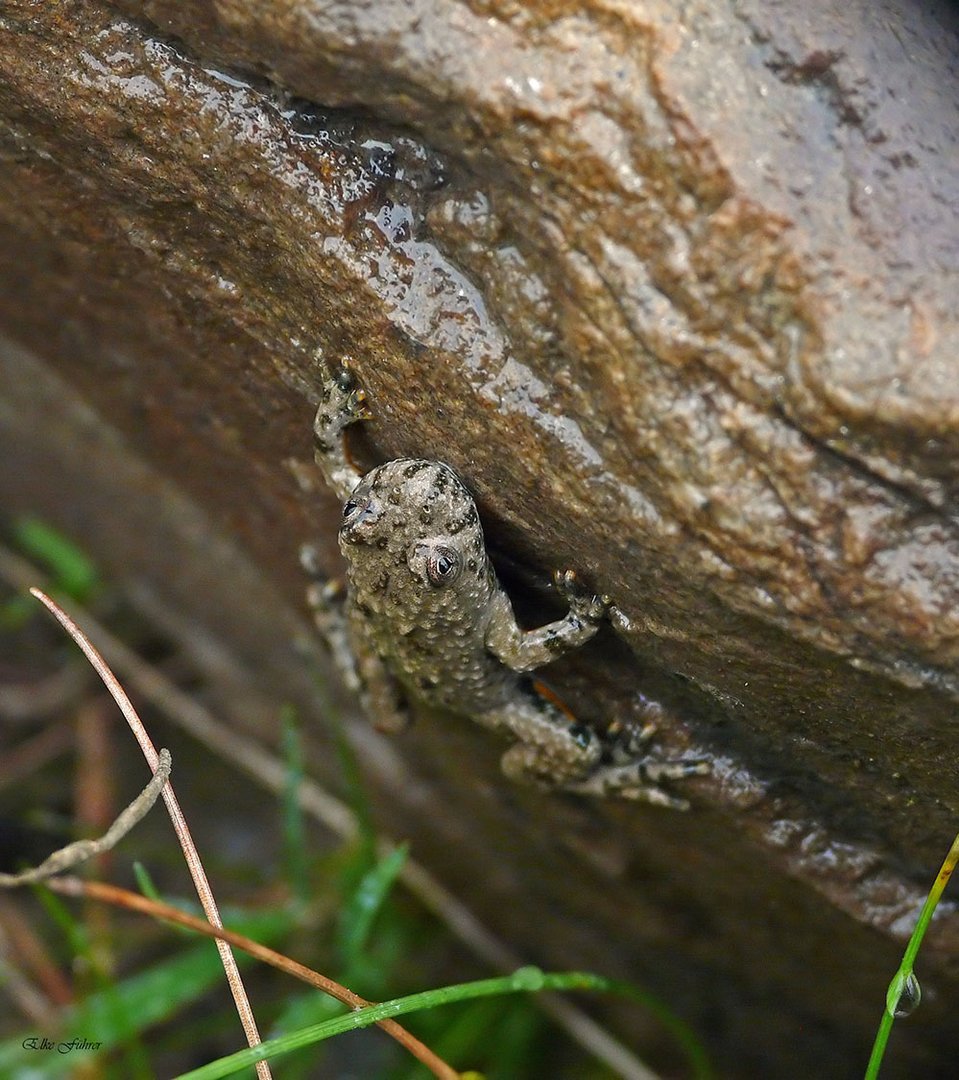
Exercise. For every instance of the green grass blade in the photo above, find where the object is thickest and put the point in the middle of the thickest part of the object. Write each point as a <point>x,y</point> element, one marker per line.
<point>903,993</point>
<point>294,829</point>
<point>524,980</point>
<point>358,800</point>
<point>356,919</point>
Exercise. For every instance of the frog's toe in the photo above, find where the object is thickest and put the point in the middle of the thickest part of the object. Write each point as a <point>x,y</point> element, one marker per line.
<point>582,602</point>
<point>655,796</point>
<point>674,770</point>
<point>564,581</point>
<point>620,620</point>
<point>632,740</point>
<point>342,400</point>
<point>356,405</point>
<point>595,608</point>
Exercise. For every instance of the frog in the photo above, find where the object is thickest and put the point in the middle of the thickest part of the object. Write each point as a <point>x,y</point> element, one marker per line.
<point>422,619</point>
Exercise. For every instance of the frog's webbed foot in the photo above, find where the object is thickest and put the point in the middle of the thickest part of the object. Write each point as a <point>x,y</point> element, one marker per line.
<point>629,772</point>
<point>640,780</point>
<point>342,402</point>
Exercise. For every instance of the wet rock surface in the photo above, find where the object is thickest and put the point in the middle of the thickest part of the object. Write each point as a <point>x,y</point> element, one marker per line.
<point>675,294</point>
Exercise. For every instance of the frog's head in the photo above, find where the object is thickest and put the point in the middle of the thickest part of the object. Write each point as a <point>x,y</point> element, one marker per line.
<point>419,511</point>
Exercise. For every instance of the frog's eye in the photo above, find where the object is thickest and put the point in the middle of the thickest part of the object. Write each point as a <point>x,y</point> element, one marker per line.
<point>443,566</point>
<point>348,507</point>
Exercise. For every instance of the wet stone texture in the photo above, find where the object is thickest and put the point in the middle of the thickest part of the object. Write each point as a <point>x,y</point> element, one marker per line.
<point>673,287</point>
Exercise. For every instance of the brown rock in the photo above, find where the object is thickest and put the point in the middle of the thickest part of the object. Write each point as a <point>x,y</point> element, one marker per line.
<point>675,293</point>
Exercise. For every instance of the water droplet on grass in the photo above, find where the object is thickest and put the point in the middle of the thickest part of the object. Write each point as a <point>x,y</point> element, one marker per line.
<point>904,995</point>
<point>528,978</point>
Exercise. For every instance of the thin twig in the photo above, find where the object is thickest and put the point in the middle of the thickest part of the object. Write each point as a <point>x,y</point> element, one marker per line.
<point>200,881</point>
<point>111,894</point>
<point>66,858</point>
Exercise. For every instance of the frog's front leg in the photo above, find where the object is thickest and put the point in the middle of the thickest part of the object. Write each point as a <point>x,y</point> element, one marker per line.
<point>552,751</point>
<point>342,403</point>
<point>524,650</point>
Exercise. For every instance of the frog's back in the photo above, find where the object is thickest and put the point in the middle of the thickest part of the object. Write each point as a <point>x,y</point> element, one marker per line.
<point>422,581</point>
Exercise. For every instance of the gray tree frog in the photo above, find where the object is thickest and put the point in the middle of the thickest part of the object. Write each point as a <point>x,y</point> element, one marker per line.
<point>424,618</point>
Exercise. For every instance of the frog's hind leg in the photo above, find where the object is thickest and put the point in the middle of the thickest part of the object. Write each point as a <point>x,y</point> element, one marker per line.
<point>553,749</point>
<point>559,754</point>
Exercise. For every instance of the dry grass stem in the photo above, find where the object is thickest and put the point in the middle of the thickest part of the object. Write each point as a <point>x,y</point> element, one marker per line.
<point>191,855</point>
<point>111,894</point>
